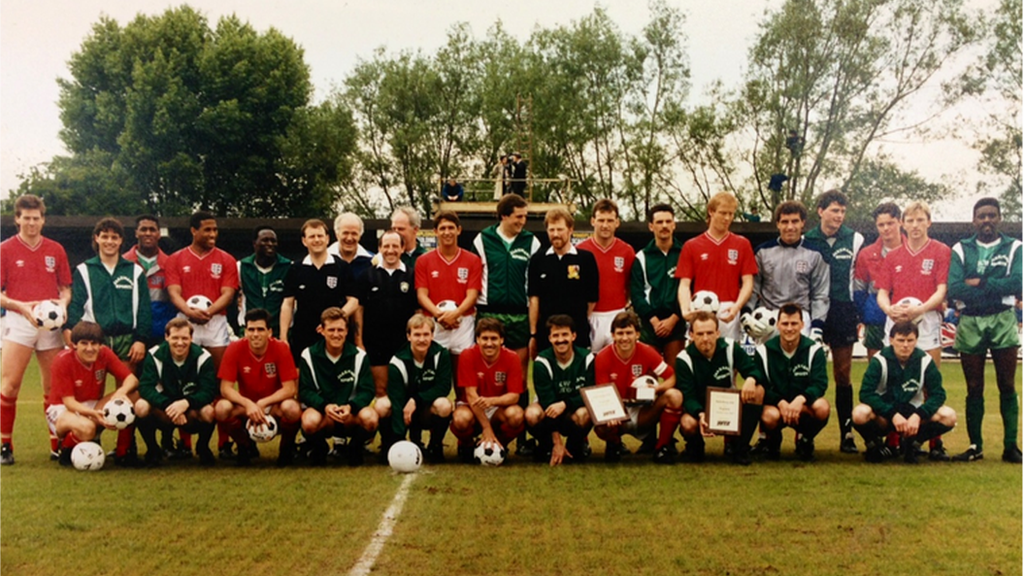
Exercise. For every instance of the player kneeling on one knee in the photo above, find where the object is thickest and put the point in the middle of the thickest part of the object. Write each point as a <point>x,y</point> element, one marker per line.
<point>492,378</point>
<point>419,381</point>
<point>264,370</point>
<point>79,376</point>
<point>796,377</point>
<point>177,388</point>
<point>558,374</point>
<point>336,385</point>
<point>901,391</point>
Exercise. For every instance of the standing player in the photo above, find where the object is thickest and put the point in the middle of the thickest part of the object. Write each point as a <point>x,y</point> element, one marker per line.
<point>112,291</point>
<point>718,261</point>
<point>710,360</point>
<point>621,364</point>
<point>558,374</point>
<point>902,391</point>
<point>349,230</point>
<point>419,381</point>
<point>867,271</point>
<point>505,250</point>
<point>147,253</point>
<point>840,330</point>
<point>654,289</point>
<point>452,277</point>
<point>614,259</point>
<point>32,269</point>
<point>561,280</point>
<point>796,378</point>
<point>336,385</point>
<point>77,398</point>
<point>262,275</point>
<point>985,274</point>
<point>263,368</point>
<point>491,379</point>
<point>406,221</point>
<point>177,388</point>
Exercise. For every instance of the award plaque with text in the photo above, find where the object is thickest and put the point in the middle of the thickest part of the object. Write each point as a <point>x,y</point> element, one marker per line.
<point>723,411</point>
<point>604,404</point>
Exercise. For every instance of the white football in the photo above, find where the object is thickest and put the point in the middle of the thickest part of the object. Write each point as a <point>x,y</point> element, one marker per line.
<point>87,456</point>
<point>489,454</point>
<point>765,316</point>
<point>447,305</point>
<point>911,301</point>
<point>705,301</point>
<point>50,315</point>
<point>119,413</point>
<point>262,432</point>
<point>405,457</point>
<point>199,302</point>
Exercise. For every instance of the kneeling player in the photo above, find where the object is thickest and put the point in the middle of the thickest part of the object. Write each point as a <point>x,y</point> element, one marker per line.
<point>796,377</point>
<point>558,374</point>
<point>336,385</point>
<point>419,381</point>
<point>79,377</point>
<point>492,379</point>
<point>710,360</point>
<point>177,389</point>
<point>265,372</point>
<point>902,391</point>
<point>620,364</point>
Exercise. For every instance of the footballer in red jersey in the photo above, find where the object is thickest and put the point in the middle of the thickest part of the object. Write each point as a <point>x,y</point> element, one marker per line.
<point>622,364</point>
<point>77,398</point>
<point>614,264</point>
<point>32,269</point>
<point>492,379</point>
<point>263,368</point>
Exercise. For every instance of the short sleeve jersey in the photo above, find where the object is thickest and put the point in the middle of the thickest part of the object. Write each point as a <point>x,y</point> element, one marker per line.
<point>916,274</point>
<point>258,377</point>
<point>490,380</point>
<point>206,274</point>
<point>449,279</point>
<point>33,273</point>
<point>614,265</point>
<point>609,368</point>
<point>315,290</point>
<point>717,265</point>
<point>72,378</point>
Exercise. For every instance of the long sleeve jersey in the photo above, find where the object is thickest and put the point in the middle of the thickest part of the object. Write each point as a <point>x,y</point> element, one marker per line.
<point>695,373</point>
<point>553,383</point>
<point>324,381</point>
<point>786,377</point>
<point>793,273</point>
<point>890,387</point>
<point>653,287</point>
<point>117,300</point>
<point>164,382</point>
<point>997,264</point>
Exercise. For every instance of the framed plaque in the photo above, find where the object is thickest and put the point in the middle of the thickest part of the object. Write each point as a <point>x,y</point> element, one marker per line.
<point>723,411</point>
<point>604,404</point>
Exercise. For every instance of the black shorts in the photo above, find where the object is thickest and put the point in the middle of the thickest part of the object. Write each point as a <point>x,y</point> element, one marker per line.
<point>841,325</point>
<point>380,350</point>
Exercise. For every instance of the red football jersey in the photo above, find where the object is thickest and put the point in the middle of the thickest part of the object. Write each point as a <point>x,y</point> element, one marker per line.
<point>490,380</point>
<point>204,275</point>
<point>718,266</point>
<point>449,280</point>
<point>69,377</point>
<point>613,269</point>
<point>609,368</point>
<point>29,274</point>
<point>916,274</point>
<point>258,377</point>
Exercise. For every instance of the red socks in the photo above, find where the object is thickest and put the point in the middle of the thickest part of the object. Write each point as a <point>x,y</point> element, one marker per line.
<point>669,421</point>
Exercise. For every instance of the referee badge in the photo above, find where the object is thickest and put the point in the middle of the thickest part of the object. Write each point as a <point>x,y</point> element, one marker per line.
<point>332,282</point>
<point>573,271</point>
<point>403,286</point>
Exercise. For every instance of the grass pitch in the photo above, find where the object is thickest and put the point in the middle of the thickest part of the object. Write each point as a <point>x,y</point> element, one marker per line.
<point>835,516</point>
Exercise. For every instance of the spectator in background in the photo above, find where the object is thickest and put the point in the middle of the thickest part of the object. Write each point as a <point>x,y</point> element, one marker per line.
<point>452,191</point>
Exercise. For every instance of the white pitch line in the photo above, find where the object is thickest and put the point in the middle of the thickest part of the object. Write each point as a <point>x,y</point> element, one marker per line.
<point>384,530</point>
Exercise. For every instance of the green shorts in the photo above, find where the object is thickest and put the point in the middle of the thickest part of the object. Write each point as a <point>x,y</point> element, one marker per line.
<point>517,328</point>
<point>874,337</point>
<point>121,345</point>
<point>978,334</point>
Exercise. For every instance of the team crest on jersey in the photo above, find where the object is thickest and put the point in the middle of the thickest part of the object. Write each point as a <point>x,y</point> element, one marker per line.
<point>843,254</point>
<point>403,286</point>
<point>911,385</point>
<point>100,375</point>
<point>801,371</point>
<point>723,373</point>
<point>573,271</point>
<point>733,255</point>
<point>332,282</point>
<point>347,377</point>
<point>637,370</point>
<point>500,378</point>
<point>927,265</point>
<point>124,283</point>
<point>51,263</point>
<point>216,269</point>
<point>620,263</point>
<point>463,274</point>
<point>802,267</point>
<point>189,388</point>
<point>270,368</point>
<point>521,254</point>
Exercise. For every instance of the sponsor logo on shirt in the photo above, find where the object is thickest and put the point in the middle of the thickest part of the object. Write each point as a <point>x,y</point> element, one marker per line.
<point>734,256</point>
<point>332,282</point>
<point>270,368</point>
<point>573,271</point>
<point>51,263</point>
<point>620,263</point>
<point>927,265</point>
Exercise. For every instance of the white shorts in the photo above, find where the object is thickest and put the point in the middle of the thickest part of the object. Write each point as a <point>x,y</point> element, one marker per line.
<point>213,334</point>
<point>632,426</point>
<point>18,329</point>
<point>55,411</point>
<point>601,329</point>
<point>490,412</point>
<point>733,329</point>
<point>459,339</point>
<point>929,330</point>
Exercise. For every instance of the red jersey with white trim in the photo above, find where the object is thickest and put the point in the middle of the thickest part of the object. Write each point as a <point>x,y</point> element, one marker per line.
<point>609,368</point>
<point>29,274</point>
<point>258,377</point>
<point>613,267</point>
<point>916,274</point>
<point>205,274</point>
<point>449,280</point>
<point>69,377</point>
<point>717,265</point>
<point>490,380</point>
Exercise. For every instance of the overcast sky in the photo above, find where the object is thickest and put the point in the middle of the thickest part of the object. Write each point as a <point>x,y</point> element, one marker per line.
<point>38,36</point>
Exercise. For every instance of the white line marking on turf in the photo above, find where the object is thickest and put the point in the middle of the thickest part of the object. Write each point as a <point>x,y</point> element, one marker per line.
<point>387,525</point>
